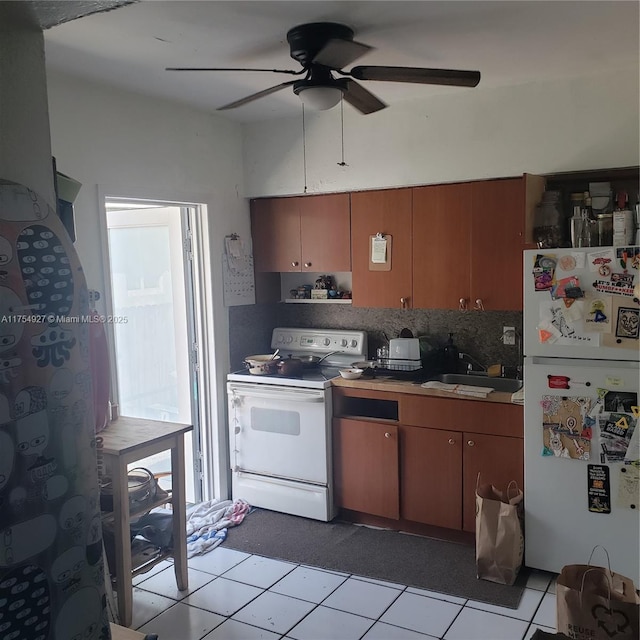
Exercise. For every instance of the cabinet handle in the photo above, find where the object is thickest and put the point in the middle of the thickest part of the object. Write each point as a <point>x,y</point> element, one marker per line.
<point>479,305</point>
<point>294,264</point>
<point>452,441</point>
<point>462,306</point>
<point>471,443</point>
<point>307,264</point>
<point>404,302</point>
<point>387,435</point>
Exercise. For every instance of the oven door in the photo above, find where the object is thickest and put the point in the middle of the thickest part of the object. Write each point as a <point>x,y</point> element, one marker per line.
<point>279,431</point>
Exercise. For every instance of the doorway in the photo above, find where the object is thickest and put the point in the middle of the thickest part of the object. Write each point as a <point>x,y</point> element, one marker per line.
<point>153,299</point>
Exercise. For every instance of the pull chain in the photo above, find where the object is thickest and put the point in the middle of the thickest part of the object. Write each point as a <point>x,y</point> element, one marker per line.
<point>343,163</point>
<point>304,151</point>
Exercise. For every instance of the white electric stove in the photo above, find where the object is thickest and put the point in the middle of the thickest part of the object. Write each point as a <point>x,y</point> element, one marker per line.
<point>280,427</point>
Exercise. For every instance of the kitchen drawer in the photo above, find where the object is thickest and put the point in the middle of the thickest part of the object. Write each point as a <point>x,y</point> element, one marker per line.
<point>462,415</point>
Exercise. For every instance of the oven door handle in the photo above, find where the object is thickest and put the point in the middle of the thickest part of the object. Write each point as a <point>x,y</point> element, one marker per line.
<point>279,395</point>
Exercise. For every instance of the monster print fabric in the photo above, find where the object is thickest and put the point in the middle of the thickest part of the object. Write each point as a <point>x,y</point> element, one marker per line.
<point>51,568</point>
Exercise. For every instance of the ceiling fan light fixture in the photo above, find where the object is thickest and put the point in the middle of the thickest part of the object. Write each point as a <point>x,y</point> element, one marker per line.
<point>320,98</point>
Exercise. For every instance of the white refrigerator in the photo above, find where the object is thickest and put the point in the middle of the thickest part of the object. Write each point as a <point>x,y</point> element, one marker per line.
<point>582,452</point>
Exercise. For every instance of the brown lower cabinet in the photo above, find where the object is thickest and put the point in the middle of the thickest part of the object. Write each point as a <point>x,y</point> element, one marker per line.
<point>498,459</point>
<point>366,467</point>
<point>431,477</point>
<point>418,472</point>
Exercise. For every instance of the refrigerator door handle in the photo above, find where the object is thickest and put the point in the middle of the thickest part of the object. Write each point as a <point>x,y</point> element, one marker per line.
<point>582,363</point>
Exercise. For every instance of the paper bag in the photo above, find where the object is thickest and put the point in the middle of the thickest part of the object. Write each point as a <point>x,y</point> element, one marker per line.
<point>499,539</point>
<point>594,603</point>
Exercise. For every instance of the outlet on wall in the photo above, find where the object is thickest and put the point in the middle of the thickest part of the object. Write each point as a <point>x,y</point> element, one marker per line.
<point>509,335</point>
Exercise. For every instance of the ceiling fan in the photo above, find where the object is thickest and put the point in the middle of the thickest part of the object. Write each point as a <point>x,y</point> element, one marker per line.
<point>323,49</point>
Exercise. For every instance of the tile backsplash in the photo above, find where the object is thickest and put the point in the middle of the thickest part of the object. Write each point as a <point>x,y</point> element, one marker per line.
<point>478,333</point>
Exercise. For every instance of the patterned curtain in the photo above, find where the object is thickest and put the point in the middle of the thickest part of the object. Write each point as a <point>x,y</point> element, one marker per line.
<point>51,567</point>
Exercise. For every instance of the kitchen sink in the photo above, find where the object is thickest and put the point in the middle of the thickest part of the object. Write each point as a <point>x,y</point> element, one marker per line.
<point>509,385</point>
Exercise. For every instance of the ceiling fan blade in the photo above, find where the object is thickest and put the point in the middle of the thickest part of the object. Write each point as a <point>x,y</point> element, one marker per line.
<point>451,77</point>
<point>338,53</point>
<point>255,96</point>
<point>294,73</point>
<point>364,101</point>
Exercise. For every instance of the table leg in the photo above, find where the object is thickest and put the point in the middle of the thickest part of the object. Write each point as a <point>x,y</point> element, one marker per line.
<point>122,541</point>
<point>179,513</point>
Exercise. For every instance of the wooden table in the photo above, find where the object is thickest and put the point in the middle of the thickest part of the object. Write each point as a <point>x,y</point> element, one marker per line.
<point>124,441</point>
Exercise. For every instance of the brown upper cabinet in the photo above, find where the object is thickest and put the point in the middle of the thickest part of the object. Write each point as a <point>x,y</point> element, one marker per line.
<point>304,233</point>
<point>441,245</point>
<point>468,240</point>
<point>387,212</point>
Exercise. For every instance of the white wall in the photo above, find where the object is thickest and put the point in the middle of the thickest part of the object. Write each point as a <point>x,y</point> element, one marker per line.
<point>561,125</point>
<point>25,146</point>
<point>125,144</point>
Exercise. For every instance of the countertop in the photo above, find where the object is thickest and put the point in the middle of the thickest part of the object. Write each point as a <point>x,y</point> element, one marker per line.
<point>405,386</point>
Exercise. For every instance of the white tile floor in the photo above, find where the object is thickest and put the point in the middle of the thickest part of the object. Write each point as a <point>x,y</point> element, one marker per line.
<point>236,596</point>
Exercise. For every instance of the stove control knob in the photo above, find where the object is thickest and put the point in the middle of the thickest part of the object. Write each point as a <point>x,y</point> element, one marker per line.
<point>354,343</point>
<point>343,342</point>
<point>289,339</point>
<point>326,342</point>
<point>280,338</point>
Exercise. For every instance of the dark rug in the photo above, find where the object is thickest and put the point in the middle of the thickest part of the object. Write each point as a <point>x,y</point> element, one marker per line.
<point>391,556</point>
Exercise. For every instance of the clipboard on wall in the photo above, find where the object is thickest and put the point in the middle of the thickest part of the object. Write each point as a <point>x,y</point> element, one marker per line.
<point>380,246</point>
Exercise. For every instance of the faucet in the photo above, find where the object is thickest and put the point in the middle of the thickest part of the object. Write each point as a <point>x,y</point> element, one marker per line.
<point>470,362</point>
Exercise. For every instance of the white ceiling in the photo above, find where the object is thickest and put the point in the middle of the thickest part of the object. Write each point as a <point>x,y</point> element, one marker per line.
<point>509,42</point>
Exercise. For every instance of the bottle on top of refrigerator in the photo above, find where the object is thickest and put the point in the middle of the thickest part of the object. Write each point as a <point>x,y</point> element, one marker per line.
<point>623,227</point>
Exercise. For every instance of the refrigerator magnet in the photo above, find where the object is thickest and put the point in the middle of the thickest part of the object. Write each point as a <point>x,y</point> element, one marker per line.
<point>623,279</point>
<point>599,259</point>
<point>572,309</point>
<point>567,288</point>
<point>620,401</point>
<point>628,257</point>
<point>632,457</point>
<point>567,262</point>
<point>544,268</point>
<point>617,288</point>
<point>599,488</point>
<point>616,433</point>
<point>628,323</point>
<point>554,320</point>
<point>546,335</point>
<point>628,487</point>
<point>598,317</point>
<point>567,426</point>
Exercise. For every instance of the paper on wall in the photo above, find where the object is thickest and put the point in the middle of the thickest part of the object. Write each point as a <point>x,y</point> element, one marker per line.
<point>628,487</point>
<point>378,250</point>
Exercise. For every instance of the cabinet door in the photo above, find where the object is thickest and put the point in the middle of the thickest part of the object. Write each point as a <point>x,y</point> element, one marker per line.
<point>386,212</point>
<point>431,476</point>
<point>497,242</point>
<point>365,467</point>
<point>275,230</point>
<point>325,226</point>
<point>498,459</point>
<point>441,246</point>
